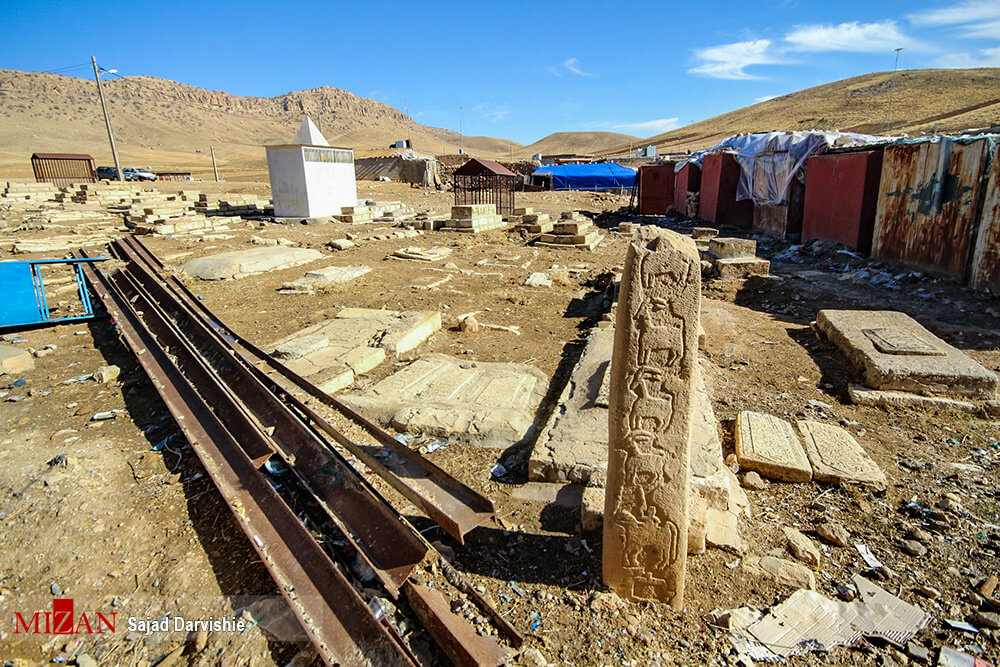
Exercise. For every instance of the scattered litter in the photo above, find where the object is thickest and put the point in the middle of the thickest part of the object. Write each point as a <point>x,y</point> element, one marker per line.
<point>79,378</point>
<point>517,589</point>
<point>162,443</point>
<point>20,382</point>
<point>498,471</point>
<point>536,620</point>
<point>105,415</point>
<point>963,626</point>
<point>949,657</point>
<point>275,467</point>
<point>868,557</point>
<point>808,621</point>
<point>434,446</point>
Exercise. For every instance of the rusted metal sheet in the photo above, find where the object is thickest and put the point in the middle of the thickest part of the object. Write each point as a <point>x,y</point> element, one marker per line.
<point>63,168</point>
<point>985,271</point>
<point>333,615</point>
<point>656,188</point>
<point>687,179</point>
<point>928,204</point>
<point>720,176</point>
<point>841,198</point>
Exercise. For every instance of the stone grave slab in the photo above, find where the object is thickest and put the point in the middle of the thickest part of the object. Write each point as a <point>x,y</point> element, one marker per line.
<point>837,457</point>
<point>418,254</point>
<point>241,263</point>
<point>890,350</point>
<point>15,360</point>
<point>489,404</point>
<point>318,279</point>
<point>769,445</point>
<point>332,352</point>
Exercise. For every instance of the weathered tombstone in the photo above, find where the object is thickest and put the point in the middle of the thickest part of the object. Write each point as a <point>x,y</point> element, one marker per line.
<point>652,374</point>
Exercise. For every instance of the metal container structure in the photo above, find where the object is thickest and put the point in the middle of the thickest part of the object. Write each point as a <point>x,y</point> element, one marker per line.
<point>928,204</point>
<point>781,221</point>
<point>841,198</point>
<point>486,182</point>
<point>985,272</point>
<point>656,188</point>
<point>688,179</point>
<point>63,168</point>
<point>720,176</point>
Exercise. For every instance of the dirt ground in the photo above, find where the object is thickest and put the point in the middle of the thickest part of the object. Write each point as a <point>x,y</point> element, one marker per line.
<point>100,512</point>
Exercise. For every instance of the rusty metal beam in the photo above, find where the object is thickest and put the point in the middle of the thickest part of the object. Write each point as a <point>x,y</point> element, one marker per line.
<point>453,505</point>
<point>334,616</point>
<point>455,637</point>
<point>391,548</point>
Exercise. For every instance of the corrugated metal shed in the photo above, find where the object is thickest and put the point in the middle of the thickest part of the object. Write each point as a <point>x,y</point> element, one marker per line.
<point>928,204</point>
<point>986,256</point>
<point>841,198</point>
<point>656,188</point>
<point>720,177</point>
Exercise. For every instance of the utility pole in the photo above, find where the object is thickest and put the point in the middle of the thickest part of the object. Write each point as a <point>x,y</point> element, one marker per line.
<point>892,92</point>
<point>215,167</point>
<point>409,123</point>
<point>107,119</point>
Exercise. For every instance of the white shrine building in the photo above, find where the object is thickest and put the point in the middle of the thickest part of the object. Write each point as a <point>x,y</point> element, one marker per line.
<point>309,178</point>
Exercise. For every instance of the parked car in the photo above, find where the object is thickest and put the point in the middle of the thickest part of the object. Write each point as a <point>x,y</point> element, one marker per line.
<point>137,174</point>
<point>106,173</point>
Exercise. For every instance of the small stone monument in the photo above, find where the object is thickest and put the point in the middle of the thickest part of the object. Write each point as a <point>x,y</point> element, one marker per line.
<point>653,371</point>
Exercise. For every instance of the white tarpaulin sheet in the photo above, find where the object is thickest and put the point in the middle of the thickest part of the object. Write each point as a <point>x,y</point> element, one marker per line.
<point>770,160</point>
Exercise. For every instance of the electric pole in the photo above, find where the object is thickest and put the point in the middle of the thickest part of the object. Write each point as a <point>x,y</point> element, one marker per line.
<point>892,92</point>
<point>107,119</point>
<point>215,167</point>
<point>409,123</point>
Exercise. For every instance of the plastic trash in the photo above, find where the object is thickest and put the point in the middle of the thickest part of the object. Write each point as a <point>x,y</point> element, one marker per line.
<point>20,382</point>
<point>498,471</point>
<point>536,620</point>
<point>105,415</point>
<point>434,446</point>
<point>275,467</point>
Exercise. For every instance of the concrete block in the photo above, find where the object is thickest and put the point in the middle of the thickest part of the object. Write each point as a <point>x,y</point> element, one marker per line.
<point>726,247</point>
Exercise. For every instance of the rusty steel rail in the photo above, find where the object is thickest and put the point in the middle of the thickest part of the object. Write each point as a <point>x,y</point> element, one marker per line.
<point>390,548</point>
<point>451,504</point>
<point>251,404</point>
<point>332,613</point>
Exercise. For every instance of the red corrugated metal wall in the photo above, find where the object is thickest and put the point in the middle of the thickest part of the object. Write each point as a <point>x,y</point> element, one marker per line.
<point>720,176</point>
<point>986,257</point>
<point>656,188</point>
<point>688,179</point>
<point>841,198</point>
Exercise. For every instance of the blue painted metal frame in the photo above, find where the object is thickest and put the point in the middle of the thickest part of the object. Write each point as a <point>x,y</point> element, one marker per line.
<point>24,303</point>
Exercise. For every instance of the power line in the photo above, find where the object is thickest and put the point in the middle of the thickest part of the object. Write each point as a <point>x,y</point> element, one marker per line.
<point>67,68</point>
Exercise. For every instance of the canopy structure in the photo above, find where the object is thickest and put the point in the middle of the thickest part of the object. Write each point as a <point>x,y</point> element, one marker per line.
<point>598,176</point>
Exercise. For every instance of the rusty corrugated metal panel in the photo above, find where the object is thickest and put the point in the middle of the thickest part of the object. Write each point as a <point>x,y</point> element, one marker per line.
<point>656,188</point>
<point>927,205</point>
<point>63,168</point>
<point>986,255</point>
<point>841,198</point>
<point>688,179</point>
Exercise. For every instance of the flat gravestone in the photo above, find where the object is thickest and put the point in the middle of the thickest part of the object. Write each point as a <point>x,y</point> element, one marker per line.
<point>768,445</point>
<point>900,341</point>
<point>332,352</point>
<point>418,254</point>
<point>837,457</point>
<point>490,404</point>
<point>318,279</point>
<point>241,263</point>
<point>890,350</point>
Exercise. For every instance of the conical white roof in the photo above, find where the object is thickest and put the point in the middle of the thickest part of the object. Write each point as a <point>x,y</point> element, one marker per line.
<point>309,135</point>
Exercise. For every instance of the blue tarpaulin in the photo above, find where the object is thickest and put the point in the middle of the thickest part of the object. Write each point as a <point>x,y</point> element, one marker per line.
<point>599,176</point>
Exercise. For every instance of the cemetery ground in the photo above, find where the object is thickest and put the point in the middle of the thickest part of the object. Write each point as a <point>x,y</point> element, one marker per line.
<point>99,511</point>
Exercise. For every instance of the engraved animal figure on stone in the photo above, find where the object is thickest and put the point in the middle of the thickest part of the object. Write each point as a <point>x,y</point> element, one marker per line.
<point>642,476</point>
<point>651,548</point>
<point>653,408</point>
<point>661,331</point>
<point>647,587</point>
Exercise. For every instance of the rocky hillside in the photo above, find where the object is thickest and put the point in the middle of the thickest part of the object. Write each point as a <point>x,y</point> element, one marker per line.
<point>172,125</point>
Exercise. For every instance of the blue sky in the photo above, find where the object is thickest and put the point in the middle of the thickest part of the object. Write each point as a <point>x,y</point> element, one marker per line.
<point>514,70</point>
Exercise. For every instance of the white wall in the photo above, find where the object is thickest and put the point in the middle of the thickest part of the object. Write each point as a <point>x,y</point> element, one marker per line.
<point>302,189</point>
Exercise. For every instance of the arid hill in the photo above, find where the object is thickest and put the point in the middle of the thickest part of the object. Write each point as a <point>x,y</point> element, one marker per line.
<point>574,142</point>
<point>172,125</point>
<point>952,99</point>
